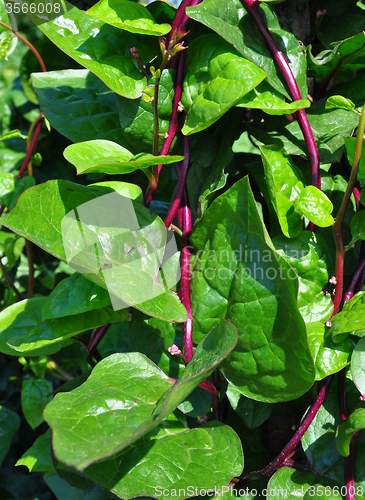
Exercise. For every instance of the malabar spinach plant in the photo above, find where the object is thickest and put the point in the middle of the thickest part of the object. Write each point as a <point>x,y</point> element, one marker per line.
<point>186,317</point>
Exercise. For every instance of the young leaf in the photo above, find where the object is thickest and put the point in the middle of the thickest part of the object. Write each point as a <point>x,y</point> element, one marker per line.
<point>339,102</point>
<point>128,16</point>
<point>358,366</point>
<point>285,183</point>
<point>351,318</point>
<point>316,206</point>
<point>101,156</point>
<point>269,100</point>
<point>215,80</point>
<point>239,277</point>
<point>34,399</point>
<point>328,357</point>
<point>347,429</point>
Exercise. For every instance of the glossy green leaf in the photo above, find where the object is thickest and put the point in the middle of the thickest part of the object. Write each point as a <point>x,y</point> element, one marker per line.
<point>136,116</point>
<point>78,105</point>
<point>47,225</point>
<point>119,395</point>
<point>316,206</point>
<point>236,26</point>
<point>7,185</point>
<point>269,100</point>
<point>12,134</point>
<point>358,366</point>
<point>351,318</point>
<point>128,16</point>
<point>38,457</point>
<point>205,458</point>
<point>9,424</point>
<point>101,156</point>
<point>285,183</point>
<point>339,102</point>
<point>302,484</point>
<point>252,412</point>
<point>102,49</point>
<point>35,396</point>
<point>215,80</point>
<point>74,295</point>
<point>328,357</point>
<point>347,429</point>
<point>350,143</point>
<point>52,331</point>
<point>145,399</point>
<point>309,256</point>
<point>17,320</point>
<point>237,276</point>
<point>329,129</point>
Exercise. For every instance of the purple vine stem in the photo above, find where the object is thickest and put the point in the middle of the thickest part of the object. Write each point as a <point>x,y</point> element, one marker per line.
<point>183,173</point>
<point>96,336</point>
<point>254,9</point>
<point>185,277</point>
<point>284,454</point>
<point>174,125</point>
<point>359,271</point>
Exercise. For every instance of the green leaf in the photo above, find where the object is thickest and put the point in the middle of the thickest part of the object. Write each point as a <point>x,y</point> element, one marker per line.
<point>302,484</point>
<point>7,186</point>
<point>350,143</point>
<point>107,157</point>
<point>128,16</point>
<point>38,457</point>
<point>34,399</point>
<point>308,254</point>
<point>329,129</point>
<point>316,206</point>
<point>136,116</point>
<point>236,26</point>
<point>351,318</point>
<point>79,105</point>
<point>285,183</point>
<point>328,357</point>
<point>339,102</point>
<point>215,80</point>
<point>358,366</point>
<point>62,490</point>
<point>52,331</point>
<point>205,458</point>
<point>17,320</point>
<point>237,276</point>
<point>252,412</point>
<point>74,295</point>
<point>358,227</point>
<point>269,100</point>
<point>46,215</point>
<point>12,134</point>
<point>347,429</point>
<point>9,424</point>
<point>102,49</point>
<point>117,388</point>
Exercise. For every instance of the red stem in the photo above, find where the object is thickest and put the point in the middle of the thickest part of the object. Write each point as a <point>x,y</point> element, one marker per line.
<point>359,271</point>
<point>183,173</point>
<point>280,459</point>
<point>30,150</point>
<point>253,7</point>
<point>185,278</point>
